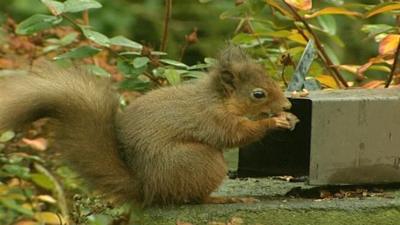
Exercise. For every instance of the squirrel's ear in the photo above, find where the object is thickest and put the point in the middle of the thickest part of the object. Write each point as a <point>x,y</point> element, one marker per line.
<point>227,80</point>
<point>225,68</point>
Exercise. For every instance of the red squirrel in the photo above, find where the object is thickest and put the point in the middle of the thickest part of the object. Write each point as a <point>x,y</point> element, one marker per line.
<point>167,146</point>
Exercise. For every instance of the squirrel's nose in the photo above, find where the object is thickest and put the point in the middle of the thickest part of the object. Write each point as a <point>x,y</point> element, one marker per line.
<point>287,105</point>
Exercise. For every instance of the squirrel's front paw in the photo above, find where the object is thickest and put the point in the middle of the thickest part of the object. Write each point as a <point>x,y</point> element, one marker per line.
<point>281,122</point>
<point>293,120</point>
<point>286,120</point>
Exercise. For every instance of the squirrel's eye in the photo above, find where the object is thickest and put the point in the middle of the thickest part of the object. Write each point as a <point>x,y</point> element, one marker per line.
<point>258,93</point>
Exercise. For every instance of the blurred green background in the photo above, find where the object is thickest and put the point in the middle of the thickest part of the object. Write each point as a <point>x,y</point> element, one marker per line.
<point>142,20</point>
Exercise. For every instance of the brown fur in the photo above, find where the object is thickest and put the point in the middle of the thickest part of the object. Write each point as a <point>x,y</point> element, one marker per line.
<point>166,147</point>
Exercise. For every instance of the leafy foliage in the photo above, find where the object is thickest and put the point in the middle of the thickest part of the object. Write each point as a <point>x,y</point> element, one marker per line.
<point>275,32</point>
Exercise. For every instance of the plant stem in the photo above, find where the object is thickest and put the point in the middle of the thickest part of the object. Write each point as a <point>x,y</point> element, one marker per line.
<point>85,17</point>
<point>62,202</point>
<point>394,66</point>
<point>167,17</point>
<point>321,49</point>
<point>183,49</point>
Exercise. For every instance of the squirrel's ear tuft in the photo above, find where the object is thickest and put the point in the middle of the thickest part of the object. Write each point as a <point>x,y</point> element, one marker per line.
<point>232,55</point>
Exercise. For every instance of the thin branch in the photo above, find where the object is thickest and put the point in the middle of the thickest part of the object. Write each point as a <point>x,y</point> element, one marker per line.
<point>167,17</point>
<point>394,66</point>
<point>321,49</point>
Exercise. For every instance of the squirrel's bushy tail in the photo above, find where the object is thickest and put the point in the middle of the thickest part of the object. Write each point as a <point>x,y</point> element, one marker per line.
<point>84,108</point>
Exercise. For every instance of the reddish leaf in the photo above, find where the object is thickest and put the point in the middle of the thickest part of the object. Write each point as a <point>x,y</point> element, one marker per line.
<point>388,45</point>
<point>300,4</point>
<point>374,84</point>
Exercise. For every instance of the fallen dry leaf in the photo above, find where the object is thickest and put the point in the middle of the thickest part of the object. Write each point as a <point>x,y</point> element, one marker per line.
<point>26,222</point>
<point>39,144</point>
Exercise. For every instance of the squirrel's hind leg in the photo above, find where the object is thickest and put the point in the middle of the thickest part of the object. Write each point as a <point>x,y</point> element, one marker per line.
<point>186,173</point>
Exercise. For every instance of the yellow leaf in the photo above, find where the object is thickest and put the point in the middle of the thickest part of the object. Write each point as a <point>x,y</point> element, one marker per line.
<point>3,189</point>
<point>349,68</point>
<point>388,45</point>
<point>49,218</point>
<point>276,34</point>
<point>296,37</point>
<point>382,8</point>
<point>300,4</point>
<point>332,10</point>
<point>327,81</point>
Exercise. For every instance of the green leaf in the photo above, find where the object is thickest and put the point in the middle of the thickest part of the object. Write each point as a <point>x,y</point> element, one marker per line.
<point>7,136</point>
<point>172,76</point>
<point>37,23</point>
<point>210,61</point>
<point>16,170</point>
<point>158,53</point>
<point>174,63</point>
<point>68,39</point>
<point>12,204</point>
<point>129,70</point>
<point>80,52</point>
<point>328,24</point>
<point>96,37</point>
<point>134,85</point>
<point>375,29</point>
<point>96,70</point>
<point>130,53</point>
<point>140,62</point>
<point>50,48</point>
<point>80,5</point>
<point>199,66</point>
<point>55,7</point>
<point>194,74</point>
<point>43,181</point>
<point>125,42</point>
